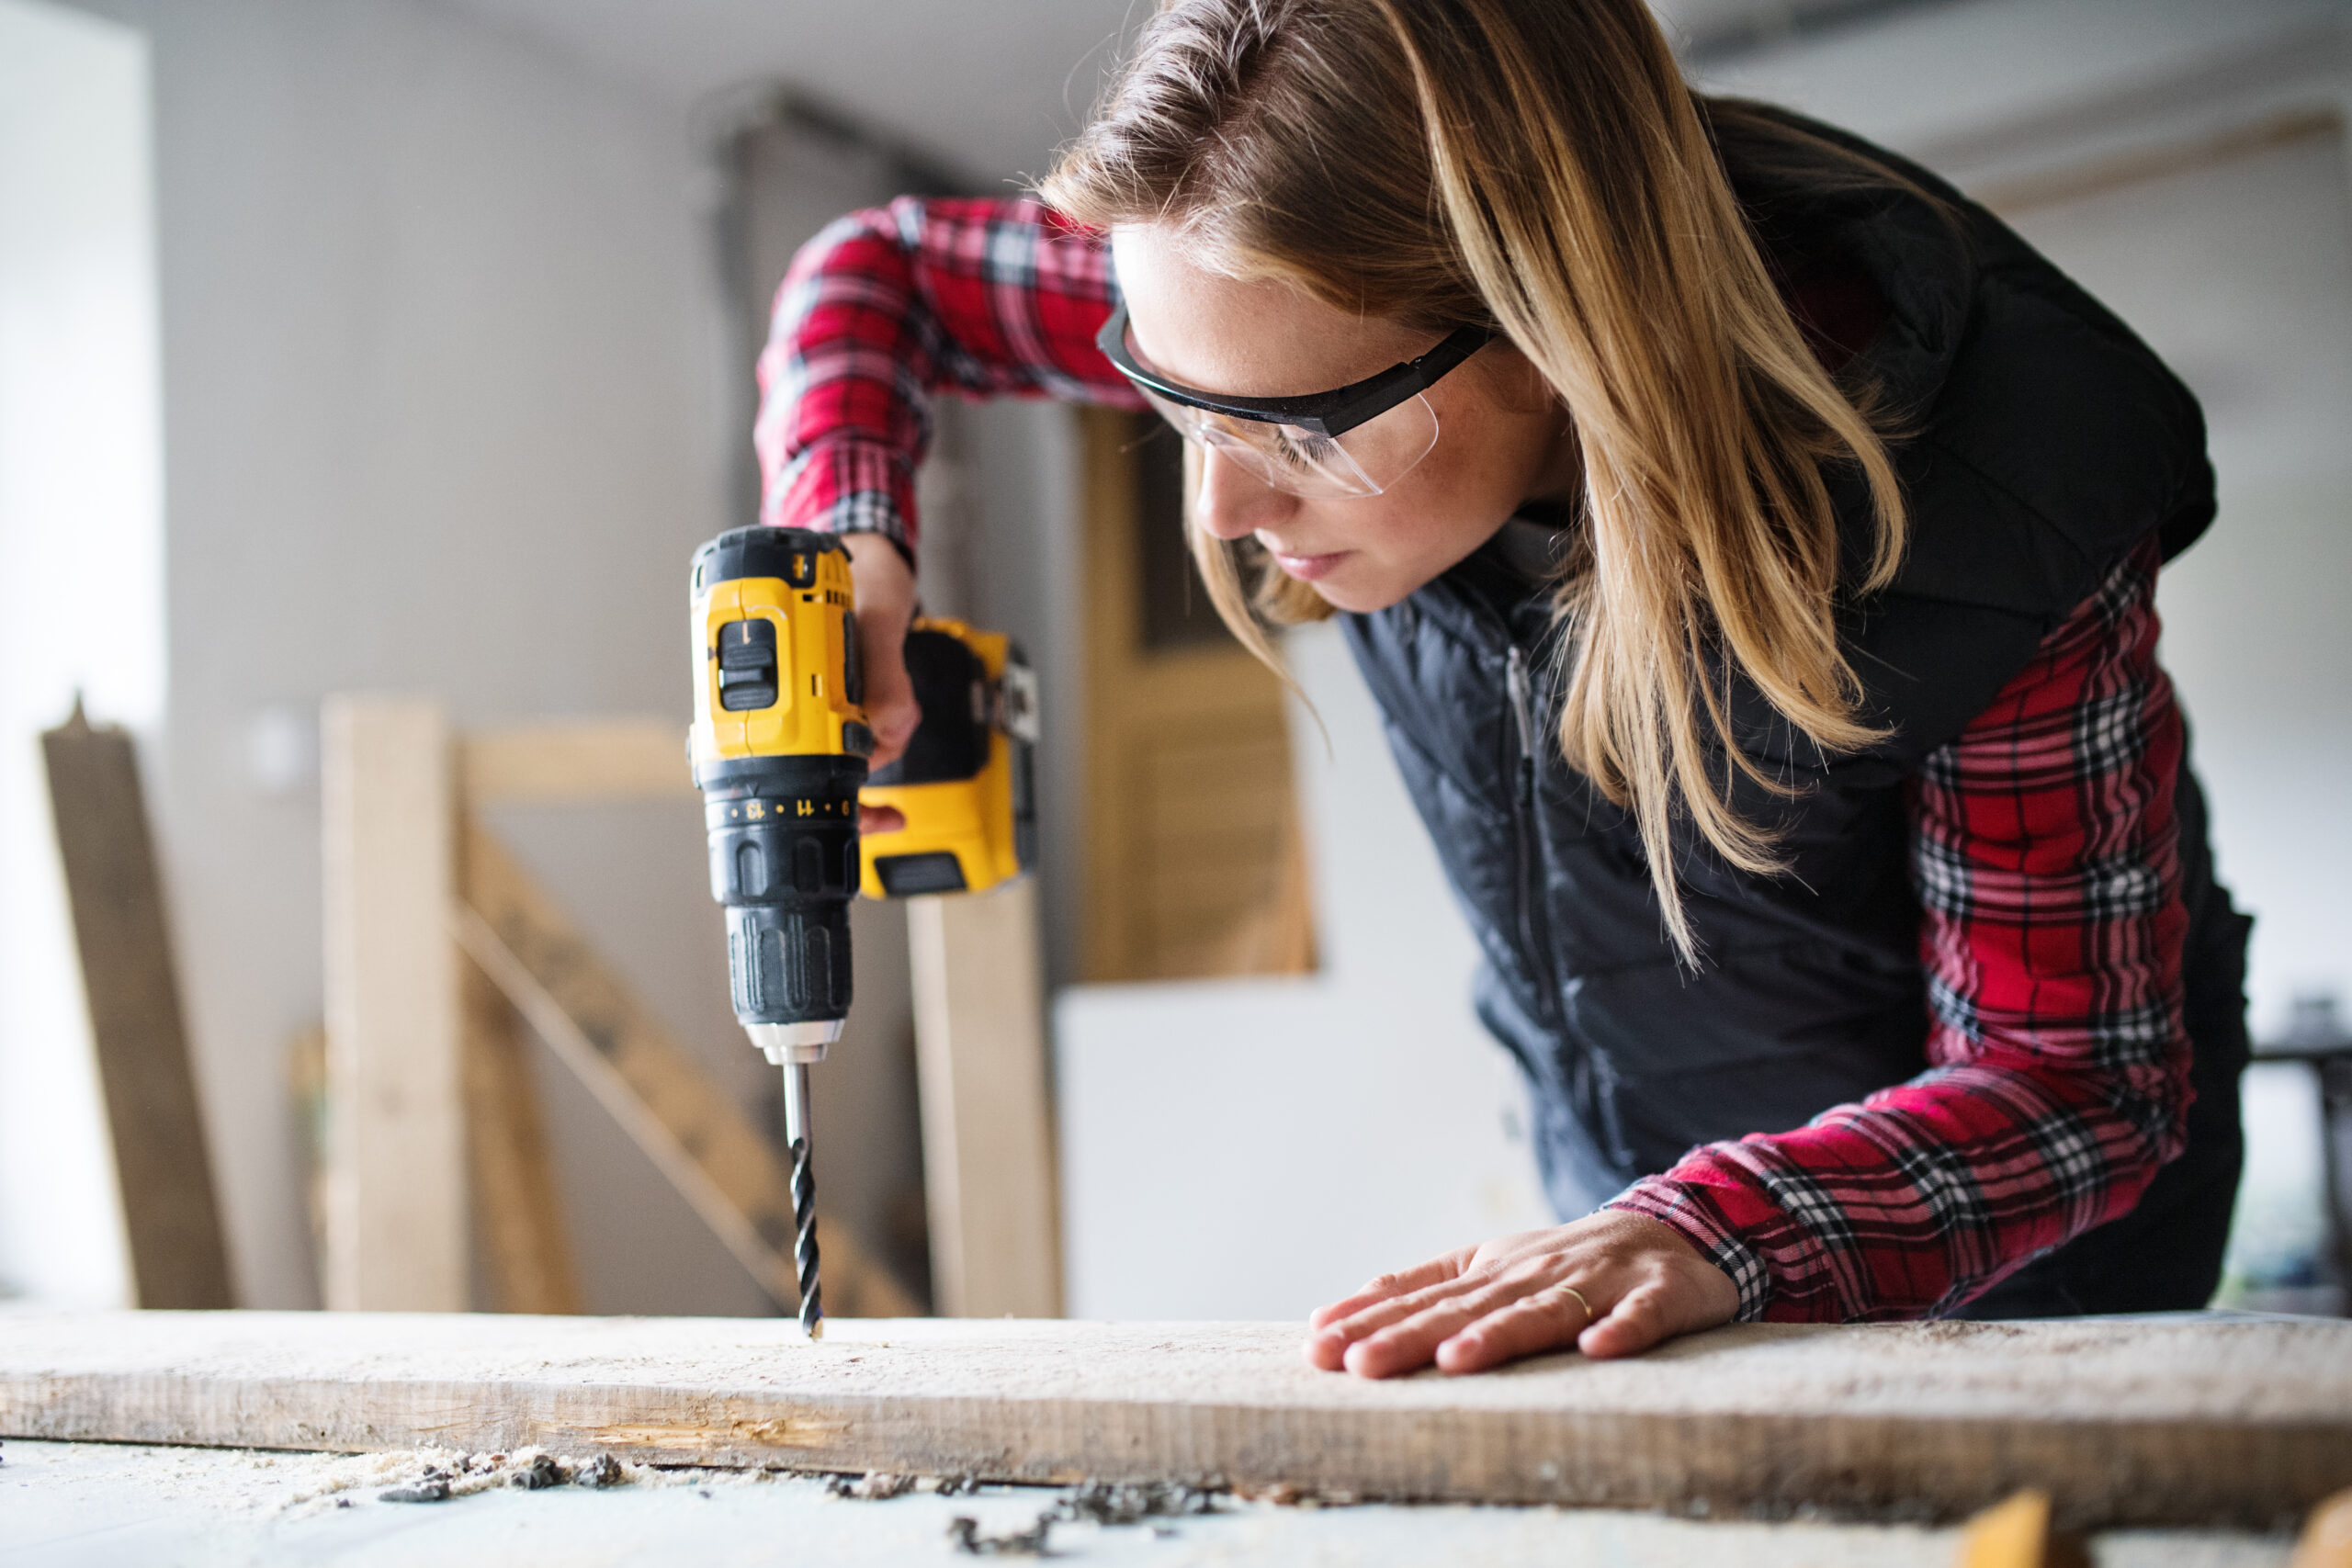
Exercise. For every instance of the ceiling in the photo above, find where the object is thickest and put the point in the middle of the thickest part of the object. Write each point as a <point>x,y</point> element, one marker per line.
<point>987,88</point>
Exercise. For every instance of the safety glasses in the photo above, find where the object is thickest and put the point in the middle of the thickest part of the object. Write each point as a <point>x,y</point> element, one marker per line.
<point>1356,440</point>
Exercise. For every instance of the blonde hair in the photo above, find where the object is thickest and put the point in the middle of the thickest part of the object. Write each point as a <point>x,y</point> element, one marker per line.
<point>1540,165</point>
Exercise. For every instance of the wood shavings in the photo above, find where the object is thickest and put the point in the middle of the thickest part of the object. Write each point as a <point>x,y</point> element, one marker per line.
<point>873,1486</point>
<point>965,1531</point>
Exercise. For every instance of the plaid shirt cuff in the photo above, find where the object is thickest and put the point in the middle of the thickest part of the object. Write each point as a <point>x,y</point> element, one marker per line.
<point>1678,1206</point>
<point>847,485</point>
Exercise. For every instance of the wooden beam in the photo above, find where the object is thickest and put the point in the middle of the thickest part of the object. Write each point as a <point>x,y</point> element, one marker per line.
<point>614,759</point>
<point>2074,182</point>
<point>988,1135</point>
<point>178,1256</point>
<point>517,1214</point>
<point>2122,1423</point>
<point>654,1087</point>
<point>396,1175</point>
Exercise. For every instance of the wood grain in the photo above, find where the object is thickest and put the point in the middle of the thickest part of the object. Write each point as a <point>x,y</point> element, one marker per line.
<point>651,1085</point>
<point>987,1134</point>
<point>396,1228</point>
<point>2123,1422</point>
<point>178,1255</point>
<point>517,1212</point>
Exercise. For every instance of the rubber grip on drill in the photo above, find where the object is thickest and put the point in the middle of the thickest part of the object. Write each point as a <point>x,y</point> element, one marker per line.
<point>788,964</point>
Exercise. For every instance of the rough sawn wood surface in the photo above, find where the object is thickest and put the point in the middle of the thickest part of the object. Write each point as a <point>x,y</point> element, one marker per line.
<point>2125,1422</point>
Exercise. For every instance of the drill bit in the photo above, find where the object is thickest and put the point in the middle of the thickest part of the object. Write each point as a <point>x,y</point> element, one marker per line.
<point>803,1198</point>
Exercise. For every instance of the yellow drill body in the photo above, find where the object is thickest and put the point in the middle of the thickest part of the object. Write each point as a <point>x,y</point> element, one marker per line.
<point>779,744</point>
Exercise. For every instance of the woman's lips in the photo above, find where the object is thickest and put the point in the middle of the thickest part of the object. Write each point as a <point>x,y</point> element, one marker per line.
<point>1307,569</point>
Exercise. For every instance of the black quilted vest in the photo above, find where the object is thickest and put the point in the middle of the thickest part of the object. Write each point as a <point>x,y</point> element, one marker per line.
<point>2047,441</point>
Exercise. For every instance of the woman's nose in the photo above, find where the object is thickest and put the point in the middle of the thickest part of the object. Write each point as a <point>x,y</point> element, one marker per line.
<point>1233,503</point>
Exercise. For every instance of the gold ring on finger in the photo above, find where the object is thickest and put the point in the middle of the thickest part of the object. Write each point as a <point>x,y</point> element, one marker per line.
<point>1591,1316</point>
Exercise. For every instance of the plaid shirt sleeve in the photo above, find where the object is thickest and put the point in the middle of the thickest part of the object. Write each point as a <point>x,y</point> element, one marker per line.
<point>986,298</point>
<point>2044,850</point>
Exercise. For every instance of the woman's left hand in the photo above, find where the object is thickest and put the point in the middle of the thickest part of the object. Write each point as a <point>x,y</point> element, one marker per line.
<point>1640,1282</point>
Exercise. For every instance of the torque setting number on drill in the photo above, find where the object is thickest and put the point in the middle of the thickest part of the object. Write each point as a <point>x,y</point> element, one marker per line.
<point>757,809</point>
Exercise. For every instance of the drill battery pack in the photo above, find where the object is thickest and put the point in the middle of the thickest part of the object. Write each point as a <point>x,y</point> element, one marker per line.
<point>966,781</point>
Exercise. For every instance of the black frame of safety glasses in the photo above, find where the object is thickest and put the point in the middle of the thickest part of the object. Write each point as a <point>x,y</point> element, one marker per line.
<point>1329,415</point>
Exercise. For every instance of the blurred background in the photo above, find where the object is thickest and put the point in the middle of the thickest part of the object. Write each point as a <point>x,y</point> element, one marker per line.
<point>404,346</point>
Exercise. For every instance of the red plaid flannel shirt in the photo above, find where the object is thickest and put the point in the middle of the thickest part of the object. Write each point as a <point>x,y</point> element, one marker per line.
<point>2043,839</point>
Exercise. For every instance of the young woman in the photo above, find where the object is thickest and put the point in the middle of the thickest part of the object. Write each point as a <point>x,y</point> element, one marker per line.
<point>1752,547</point>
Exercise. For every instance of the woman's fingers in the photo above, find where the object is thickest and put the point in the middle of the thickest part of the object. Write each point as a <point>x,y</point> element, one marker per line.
<point>880,818</point>
<point>1390,1286</point>
<point>1411,1341</point>
<point>1548,1319</point>
<point>1611,1284</point>
<point>1331,1329</point>
<point>891,711</point>
<point>1632,1326</point>
<point>886,607</point>
<point>1340,1334</point>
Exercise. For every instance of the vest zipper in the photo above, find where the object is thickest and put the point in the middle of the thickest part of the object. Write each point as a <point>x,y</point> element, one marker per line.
<point>1533,927</point>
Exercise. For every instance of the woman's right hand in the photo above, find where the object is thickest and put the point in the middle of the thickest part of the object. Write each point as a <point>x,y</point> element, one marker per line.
<point>885,584</point>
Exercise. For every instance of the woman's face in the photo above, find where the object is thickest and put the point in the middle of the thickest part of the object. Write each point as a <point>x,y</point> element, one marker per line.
<point>1501,437</point>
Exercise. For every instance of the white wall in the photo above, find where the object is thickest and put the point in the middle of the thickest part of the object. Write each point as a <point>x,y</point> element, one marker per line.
<point>1252,1148</point>
<point>81,587</point>
<point>443,353</point>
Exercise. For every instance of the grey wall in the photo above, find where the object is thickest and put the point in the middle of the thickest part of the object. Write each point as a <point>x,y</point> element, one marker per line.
<point>444,412</point>
<point>458,330</point>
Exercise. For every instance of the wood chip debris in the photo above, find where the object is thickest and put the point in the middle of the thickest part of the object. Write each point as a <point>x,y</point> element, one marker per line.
<point>533,1470</point>
<point>965,1531</point>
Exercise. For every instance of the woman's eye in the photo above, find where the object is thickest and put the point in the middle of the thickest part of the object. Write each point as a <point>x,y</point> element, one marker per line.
<point>1305,450</point>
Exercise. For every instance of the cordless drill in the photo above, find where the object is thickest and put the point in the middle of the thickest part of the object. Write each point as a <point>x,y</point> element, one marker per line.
<point>779,747</point>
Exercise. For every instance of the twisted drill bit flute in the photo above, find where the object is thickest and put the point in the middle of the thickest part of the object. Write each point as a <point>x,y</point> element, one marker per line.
<point>803,1198</point>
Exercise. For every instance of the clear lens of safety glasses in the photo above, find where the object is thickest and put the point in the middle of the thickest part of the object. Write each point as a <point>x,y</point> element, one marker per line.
<point>1363,461</point>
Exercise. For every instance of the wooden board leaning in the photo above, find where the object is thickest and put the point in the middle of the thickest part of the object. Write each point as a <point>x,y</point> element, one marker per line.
<point>178,1251</point>
<point>2146,1422</point>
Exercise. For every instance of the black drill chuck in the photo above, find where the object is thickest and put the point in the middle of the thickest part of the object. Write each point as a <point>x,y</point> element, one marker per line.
<point>783,862</point>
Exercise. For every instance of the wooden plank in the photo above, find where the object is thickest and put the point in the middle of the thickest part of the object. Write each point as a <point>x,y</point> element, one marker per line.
<point>988,1136</point>
<point>178,1255</point>
<point>517,1214</point>
<point>2138,1422</point>
<point>612,759</point>
<point>2159,159</point>
<point>396,1157</point>
<point>661,1095</point>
